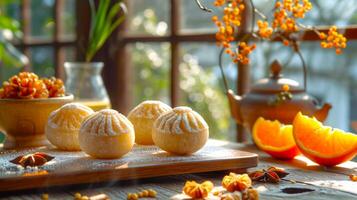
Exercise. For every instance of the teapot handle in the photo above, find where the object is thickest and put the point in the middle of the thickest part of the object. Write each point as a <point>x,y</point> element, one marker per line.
<point>220,64</point>
<point>304,67</point>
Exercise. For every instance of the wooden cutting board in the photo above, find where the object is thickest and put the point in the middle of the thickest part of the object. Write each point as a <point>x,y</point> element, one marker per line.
<point>141,162</point>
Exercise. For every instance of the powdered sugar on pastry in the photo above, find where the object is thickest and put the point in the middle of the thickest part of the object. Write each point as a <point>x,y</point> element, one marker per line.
<point>180,120</point>
<point>69,116</point>
<point>107,122</point>
<point>149,110</point>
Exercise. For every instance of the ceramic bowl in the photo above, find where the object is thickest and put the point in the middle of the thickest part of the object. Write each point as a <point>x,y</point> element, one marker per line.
<point>24,120</point>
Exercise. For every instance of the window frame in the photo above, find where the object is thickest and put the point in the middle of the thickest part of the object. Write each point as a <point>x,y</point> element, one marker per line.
<point>57,42</point>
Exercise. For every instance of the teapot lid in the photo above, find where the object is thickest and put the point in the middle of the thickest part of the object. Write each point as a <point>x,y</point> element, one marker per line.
<point>275,82</point>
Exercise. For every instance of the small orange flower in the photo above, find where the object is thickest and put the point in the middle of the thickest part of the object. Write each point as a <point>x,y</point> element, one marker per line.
<point>236,182</point>
<point>196,190</point>
<point>54,86</point>
<point>25,85</point>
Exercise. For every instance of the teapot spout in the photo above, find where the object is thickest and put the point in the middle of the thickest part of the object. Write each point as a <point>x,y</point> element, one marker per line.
<point>322,113</point>
<point>234,104</point>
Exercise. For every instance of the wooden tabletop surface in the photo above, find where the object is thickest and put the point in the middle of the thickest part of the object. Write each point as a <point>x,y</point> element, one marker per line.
<point>320,182</point>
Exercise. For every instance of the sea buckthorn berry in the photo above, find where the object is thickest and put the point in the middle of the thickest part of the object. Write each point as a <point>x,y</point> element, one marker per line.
<point>84,198</point>
<point>152,193</point>
<point>322,36</point>
<point>243,51</point>
<point>286,88</point>
<point>132,196</point>
<point>285,13</point>
<point>231,18</point>
<point>333,39</point>
<point>219,2</point>
<point>77,196</point>
<point>45,196</point>
<point>286,42</point>
<point>143,193</point>
<point>353,177</point>
<point>264,30</point>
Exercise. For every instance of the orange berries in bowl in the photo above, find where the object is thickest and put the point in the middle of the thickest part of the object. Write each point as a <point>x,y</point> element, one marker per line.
<point>27,85</point>
<point>322,144</point>
<point>26,101</point>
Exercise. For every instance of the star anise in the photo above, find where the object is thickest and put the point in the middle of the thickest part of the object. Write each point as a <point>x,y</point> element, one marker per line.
<point>32,160</point>
<point>270,175</point>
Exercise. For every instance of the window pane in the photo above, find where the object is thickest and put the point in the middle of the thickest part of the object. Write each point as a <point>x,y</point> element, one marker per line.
<point>42,22</point>
<point>193,19</point>
<point>149,17</point>
<point>6,72</point>
<point>10,9</point>
<point>202,87</point>
<point>331,77</point>
<point>42,61</point>
<point>150,71</point>
<point>70,54</point>
<point>68,19</point>
<point>331,12</point>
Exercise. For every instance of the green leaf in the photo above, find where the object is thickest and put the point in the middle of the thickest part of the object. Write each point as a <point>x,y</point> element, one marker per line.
<point>104,24</point>
<point>92,10</point>
<point>8,23</point>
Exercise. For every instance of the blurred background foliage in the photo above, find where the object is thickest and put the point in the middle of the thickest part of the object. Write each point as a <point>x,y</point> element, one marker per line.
<point>10,31</point>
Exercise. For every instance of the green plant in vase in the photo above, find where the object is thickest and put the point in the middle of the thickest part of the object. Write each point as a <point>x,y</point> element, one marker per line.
<point>104,21</point>
<point>84,78</point>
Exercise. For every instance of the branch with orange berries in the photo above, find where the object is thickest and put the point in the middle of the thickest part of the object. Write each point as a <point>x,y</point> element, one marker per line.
<point>283,25</point>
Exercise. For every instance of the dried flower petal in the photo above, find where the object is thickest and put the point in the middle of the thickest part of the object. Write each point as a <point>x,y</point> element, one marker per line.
<point>250,194</point>
<point>54,86</point>
<point>236,182</point>
<point>196,190</point>
<point>230,196</point>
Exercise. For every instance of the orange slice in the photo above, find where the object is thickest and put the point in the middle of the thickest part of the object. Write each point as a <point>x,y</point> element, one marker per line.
<point>275,138</point>
<point>322,144</point>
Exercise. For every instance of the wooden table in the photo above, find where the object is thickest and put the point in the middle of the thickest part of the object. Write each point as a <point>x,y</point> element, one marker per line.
<point>323,183</point>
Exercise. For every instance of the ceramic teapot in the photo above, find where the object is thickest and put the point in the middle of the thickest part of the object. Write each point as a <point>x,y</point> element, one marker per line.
<point>275,98</point>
